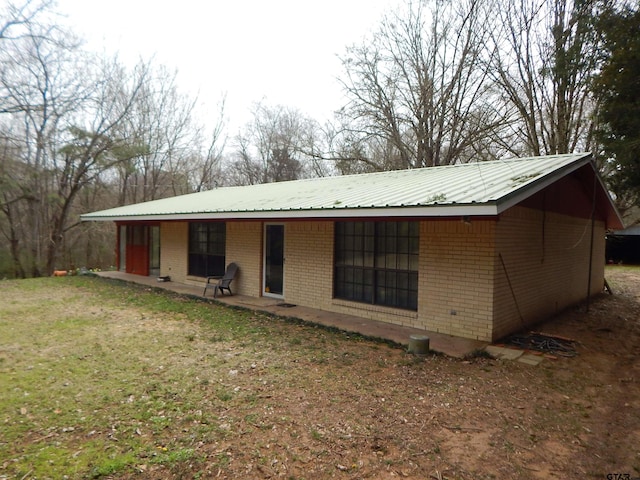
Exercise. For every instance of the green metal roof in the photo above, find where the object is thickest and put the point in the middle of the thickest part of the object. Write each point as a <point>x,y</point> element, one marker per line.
<point>481,188</point>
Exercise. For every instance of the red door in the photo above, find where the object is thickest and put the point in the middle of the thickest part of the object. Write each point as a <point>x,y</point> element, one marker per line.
<point>137,249</point>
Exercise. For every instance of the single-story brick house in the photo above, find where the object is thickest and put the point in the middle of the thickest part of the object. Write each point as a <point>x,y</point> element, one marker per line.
<point>477,250</point>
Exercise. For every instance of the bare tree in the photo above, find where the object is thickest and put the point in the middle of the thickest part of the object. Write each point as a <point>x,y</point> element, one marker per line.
<point>161,127</point>
<point>543,58</point>
<point>58,133</point>
<point>16,17</point>
<point>272,147</point>
<point>36,93</point>
<point>11,172</point>
<point>14,22</point>
<point>77,128</point>
<point>90,144</point>
<point>205,170</point>
<point>417,90</point>
<point>174,154</point>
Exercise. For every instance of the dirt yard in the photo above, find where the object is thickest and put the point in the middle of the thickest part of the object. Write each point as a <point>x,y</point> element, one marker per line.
<point>296,402</point>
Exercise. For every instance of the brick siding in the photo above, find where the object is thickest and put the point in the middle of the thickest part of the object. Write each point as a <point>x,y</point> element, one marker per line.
<point>174,242</point>
<point>308,270</point>
<point>455,282</point>
<point>542,266</point>
<point>244,246</point>
<point>481,279</point>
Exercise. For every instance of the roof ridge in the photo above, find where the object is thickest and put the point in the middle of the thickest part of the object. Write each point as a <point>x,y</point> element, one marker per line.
<point>437,167</point>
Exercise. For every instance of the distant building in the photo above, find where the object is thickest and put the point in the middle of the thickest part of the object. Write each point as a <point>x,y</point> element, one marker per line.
<point>623,246</point>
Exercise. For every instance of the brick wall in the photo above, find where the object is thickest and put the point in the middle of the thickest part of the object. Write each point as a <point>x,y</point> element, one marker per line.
<point>476,280</point>
<point>244,246</point>
<point>542,266</point>
<point>173,250</point>
<point>308,269</point>
<point>455,280</point>
<point>309,274</point>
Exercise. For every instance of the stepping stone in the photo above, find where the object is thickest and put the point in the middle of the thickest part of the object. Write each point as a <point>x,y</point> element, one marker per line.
<point>502,353</point>
<point>531,359</point>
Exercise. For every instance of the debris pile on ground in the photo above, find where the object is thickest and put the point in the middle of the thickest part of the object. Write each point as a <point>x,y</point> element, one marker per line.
<point>541,342</point>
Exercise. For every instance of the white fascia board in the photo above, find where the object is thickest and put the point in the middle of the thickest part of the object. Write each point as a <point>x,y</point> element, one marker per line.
<point>397,212</point>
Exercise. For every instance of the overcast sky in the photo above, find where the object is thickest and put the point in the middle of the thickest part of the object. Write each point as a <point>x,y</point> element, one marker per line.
<point>282,51</point>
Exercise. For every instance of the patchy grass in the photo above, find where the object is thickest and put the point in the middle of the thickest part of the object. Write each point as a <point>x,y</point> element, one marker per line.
<point>102,379</point>
<point>105,380</point>
<point>621,278</point>
<point>95,379</point>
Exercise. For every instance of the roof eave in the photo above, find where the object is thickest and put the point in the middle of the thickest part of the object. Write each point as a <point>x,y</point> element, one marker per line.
<point>485,209</point>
